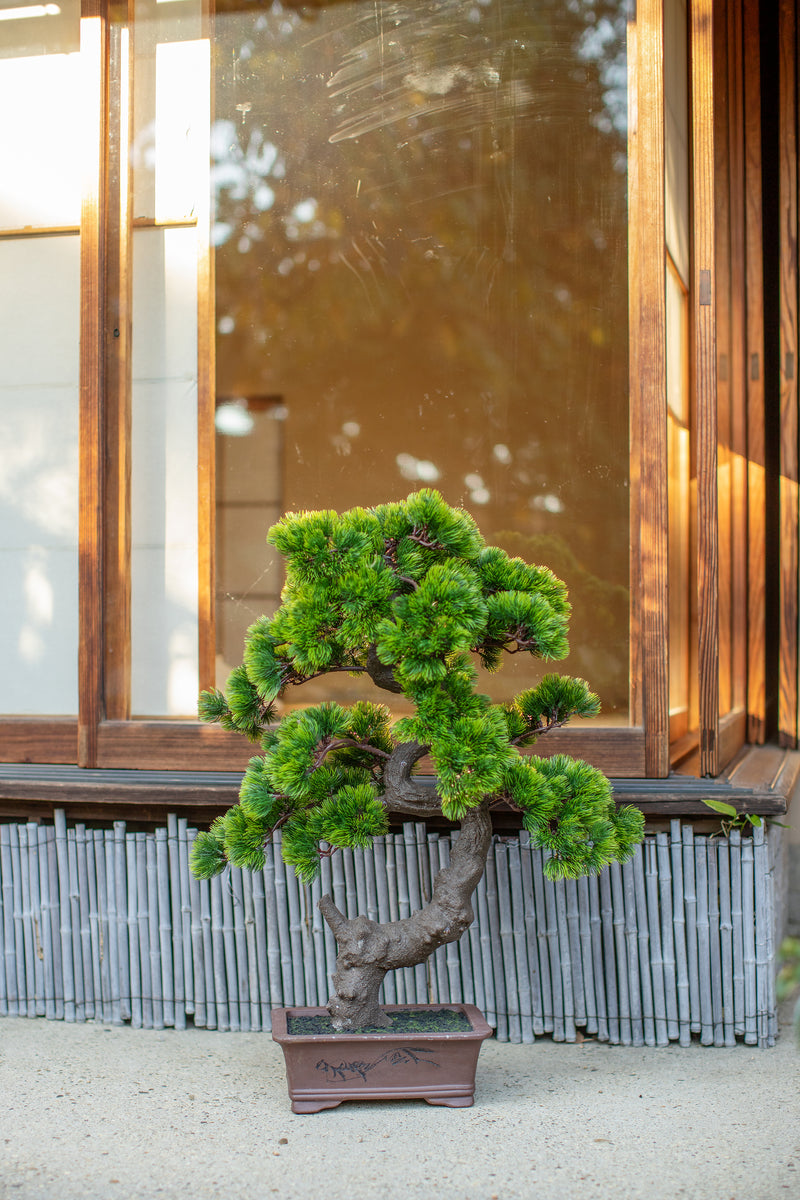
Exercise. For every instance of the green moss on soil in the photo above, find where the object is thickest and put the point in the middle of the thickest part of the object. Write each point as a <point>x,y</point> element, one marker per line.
<point>407,1020</point>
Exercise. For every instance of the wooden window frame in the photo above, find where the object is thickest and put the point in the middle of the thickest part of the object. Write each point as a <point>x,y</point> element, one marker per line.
<point>105,736</point>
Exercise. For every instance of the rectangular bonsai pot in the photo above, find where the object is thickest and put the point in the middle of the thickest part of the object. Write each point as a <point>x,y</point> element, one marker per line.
<point>324,1069</point>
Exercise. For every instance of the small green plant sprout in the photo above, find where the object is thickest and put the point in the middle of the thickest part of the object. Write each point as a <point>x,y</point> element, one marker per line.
<point>733,818</point>
<point>409,596</point>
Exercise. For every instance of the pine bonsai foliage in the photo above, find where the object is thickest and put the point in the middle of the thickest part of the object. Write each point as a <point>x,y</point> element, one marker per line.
<point>406,593</point>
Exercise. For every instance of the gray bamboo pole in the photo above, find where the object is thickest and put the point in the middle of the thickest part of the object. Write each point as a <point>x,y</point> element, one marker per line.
<point>372,885</point>
<point>484,938</point>
<point>186,916</point>
<point>643,935</point>
<point>75,923</point>
<point>106,979</point>
<point>726,939</point>
<point>295,928</point>
<point>771,836</point>
<point>326,887</point>
<point>176,919</point>
<point>307,938</point>
<point>282,925</point>
<point>680,935</point>
<point>382,892</point>
<point>249,915</point>
<point>664,876</point>
<point>17,936</point>
<point>55,922</point>
<point>456,953</point>
<point>49,937</point>
<point>318,940</point>
<point>470,964</point>
<point>587,965</point>
<point>218,950</point>
<point>467,971</point>
<point>576,962</point>
<point>508,964</point>
<point>749,958</point>
<point>143,923</point>
<point>703,942</point>
<point>26,910</point>
<point>120,888</point>
<point>763,935</point>
<point>262,951</point>
<point>396,979</point>
<point>438,983</point>
<point>737,920</point>
<point>542,916</point>
<point>715,953</point>
<point>565,961</point>
<point>154,932</point>
<point>404,908</point>
<point>611,971</point>
<point>437,965</point>
<point>526,890</point>
<point>90,922</point>
<point>165,928</point>
<point>350,894</point>
<point>36,918</point>
<point>198,969</point>
<point>556,980</point>
<point>85,864</point>
<point>280,979</point>
<point>9,954</point>
<point>236,890</point>
<point>690,904</point>
<point>656,948</point>
<point>65,923</point>
<point>621,946</point>
<point>210,992</point>
<point>107,841</point>
<point>420,971</point>
<point>520,939</point>
<point>426,856</point>
<point>598,965</point>
<point>632,950</point>
<point>131,863</point>
<point>495,946</point>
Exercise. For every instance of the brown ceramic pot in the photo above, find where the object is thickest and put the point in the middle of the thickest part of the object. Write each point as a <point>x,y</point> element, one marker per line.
<point>322,1070</point>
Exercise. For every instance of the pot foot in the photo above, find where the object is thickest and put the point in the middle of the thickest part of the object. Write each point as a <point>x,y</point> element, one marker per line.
<point>465,1101</point>
<point>312,1106</point>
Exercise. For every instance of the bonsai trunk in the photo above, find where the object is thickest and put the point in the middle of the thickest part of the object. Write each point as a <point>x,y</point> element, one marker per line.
<point>367,950</point>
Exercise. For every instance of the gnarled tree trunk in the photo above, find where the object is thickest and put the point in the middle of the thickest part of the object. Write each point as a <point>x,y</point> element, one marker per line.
<point>367,950</point>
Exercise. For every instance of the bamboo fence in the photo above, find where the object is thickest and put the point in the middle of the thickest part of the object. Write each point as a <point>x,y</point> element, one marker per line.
<point>110,926</point>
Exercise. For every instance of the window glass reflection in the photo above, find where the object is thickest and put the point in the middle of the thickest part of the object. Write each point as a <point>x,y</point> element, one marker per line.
<point>420,223</point>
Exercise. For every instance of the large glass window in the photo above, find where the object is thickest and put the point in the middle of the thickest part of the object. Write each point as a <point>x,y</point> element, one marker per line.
<point>40,202</point>
<point>421,235</point>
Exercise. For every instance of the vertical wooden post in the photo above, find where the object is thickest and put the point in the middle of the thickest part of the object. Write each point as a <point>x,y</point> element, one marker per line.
<point>648,390</point>
<point>117,490</point>
<point>754,373</point>
<point>705,375</point>
<point>206,403</point>
<point>94,58</point>
<point>738,360</point>
<point>787,699</point>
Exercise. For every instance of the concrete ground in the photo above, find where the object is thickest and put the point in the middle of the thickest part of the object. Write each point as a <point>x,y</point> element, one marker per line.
<point>89,1112</point>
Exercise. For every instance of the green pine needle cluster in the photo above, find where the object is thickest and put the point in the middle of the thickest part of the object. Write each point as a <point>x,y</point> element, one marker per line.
<point>413,585</point>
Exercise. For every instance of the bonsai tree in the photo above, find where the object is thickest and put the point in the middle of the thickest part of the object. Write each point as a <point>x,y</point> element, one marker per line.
<point>405,593</point>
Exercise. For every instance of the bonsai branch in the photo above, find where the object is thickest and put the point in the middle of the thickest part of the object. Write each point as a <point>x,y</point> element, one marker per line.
<point>402,793</point>
<point>367,950</point>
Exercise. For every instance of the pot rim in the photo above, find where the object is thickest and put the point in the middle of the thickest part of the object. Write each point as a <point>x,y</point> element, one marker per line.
<point>480,1027</point>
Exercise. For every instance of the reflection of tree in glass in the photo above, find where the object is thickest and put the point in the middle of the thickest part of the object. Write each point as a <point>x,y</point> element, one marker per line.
<point>421,228</point>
